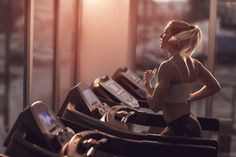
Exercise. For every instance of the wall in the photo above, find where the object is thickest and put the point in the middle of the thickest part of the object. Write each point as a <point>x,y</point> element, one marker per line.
<point>103,38</point>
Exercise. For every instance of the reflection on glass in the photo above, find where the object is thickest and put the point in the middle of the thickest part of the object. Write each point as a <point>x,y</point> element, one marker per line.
<point>153,15</point>
<point>43,51</point>
<point>224,103</point>
<point>11,61</point>
<point>225,61</point>
<point>67,43</point>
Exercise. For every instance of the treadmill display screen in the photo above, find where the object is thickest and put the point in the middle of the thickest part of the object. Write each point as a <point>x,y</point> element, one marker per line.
<point>47,120</point>
<point>114,87</point>
<point>132,77</point>
<point>89,96</point>
<point>127,97</point>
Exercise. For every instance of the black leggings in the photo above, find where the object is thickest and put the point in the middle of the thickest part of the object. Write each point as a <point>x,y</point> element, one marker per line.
<point>186,125</point>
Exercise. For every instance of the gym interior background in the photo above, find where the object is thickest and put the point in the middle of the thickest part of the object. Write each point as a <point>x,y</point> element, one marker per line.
<point>47,46</point>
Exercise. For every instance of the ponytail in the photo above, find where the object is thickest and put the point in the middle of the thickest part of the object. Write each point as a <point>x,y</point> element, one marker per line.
<point>186,41</point>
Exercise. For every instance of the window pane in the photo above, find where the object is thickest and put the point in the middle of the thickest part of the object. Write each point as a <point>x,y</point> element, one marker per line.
<point>225,69</point>
<point>43,51</point>
<point>67,45</point>
<point>225,58</point>
<point>152,17</point>
<point>11,62</point>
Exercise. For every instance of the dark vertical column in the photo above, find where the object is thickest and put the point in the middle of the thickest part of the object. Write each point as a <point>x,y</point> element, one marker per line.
<point>56,57</point>
<point>7,28</point>
<point>77,41</point>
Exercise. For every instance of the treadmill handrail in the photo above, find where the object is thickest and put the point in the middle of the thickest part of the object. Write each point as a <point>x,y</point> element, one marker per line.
<point>17,139</point>
<point>153,148</point>
<point>153,119</point>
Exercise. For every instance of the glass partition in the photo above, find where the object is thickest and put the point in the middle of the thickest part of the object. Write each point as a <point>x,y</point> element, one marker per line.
<point>225,59</point>
<point>42,80</point>
<point>224,103</point>
<point>55,37</point>
<point>67,45</point>
<point>11,62</point>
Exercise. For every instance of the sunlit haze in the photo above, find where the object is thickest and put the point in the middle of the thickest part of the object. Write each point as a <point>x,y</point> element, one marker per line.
<point>163,1</point>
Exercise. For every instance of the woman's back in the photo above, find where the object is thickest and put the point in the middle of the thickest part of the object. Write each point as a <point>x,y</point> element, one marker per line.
<point>184,76</point>
<point>184,71</point>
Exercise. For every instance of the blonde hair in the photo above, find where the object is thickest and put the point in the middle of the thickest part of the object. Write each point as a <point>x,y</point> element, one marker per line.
<point>185,37</point>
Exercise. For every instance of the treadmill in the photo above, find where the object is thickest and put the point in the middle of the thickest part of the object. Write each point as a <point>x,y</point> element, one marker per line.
<point>113,94</point>
<point>37,132</point>
<point>82,106</point>
<point>134,84</point>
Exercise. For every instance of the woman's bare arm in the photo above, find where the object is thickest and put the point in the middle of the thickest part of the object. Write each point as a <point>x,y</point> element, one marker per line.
<point>211,85</point>
<point>157,97</point>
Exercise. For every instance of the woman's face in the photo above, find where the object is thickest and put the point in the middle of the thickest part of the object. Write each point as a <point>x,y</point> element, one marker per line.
<point>164,37</point>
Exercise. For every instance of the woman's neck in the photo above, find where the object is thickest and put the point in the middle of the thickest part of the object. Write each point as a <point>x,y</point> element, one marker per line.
<point>175,55</point>
<point>178,57</point>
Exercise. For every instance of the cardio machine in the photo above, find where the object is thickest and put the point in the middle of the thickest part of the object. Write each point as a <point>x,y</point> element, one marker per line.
<point>37,132</point>
<point>113,93</point>
<point>73,113</point>
<point>102,87</point>
<point>130,81</point>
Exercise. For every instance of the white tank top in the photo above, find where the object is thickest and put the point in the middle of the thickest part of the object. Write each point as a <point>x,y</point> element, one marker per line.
<point>180,92</point>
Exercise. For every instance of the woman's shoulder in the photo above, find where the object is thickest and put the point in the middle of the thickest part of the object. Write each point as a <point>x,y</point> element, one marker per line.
<point>196,62</point>
<point>165,70</point>
<point>166,64</point>
<point>166,67</point>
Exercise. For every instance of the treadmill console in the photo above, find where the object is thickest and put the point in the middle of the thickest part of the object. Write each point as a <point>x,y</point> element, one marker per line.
<point>131,82</point>
<point>48,122</point>
<point>85,101</point>
<point>133,77</point>
<point>39,126</point>
<point>118,91</point>
<point>52,129</point>
<point>91,100</point>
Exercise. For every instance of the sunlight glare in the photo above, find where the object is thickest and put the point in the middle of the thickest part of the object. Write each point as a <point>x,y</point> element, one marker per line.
<point>166,1</point>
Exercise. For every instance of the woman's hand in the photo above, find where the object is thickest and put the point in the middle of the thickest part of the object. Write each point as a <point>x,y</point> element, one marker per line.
<point>149,75</point>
